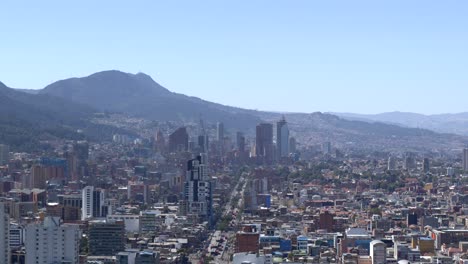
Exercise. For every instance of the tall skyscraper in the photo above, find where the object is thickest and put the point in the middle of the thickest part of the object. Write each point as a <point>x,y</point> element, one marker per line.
<point>160,142</point>
<point>292,145</point>
<point>220,132</point>
<point>426,165</point>
<point>240,141</point>
<point>106,238</point>
<point>203,143</point>
<point>264,142</point>
<point>4,235</point>
<point>410,161</point>
<point>391,164</point>
<point>198,195</point>
<point>92,203</point>
<point>178,140</point>
<point>326,147</point>
<point>282,138</point>
<point>465,159</point>
<point>4,154</point>
<point>52,242</point>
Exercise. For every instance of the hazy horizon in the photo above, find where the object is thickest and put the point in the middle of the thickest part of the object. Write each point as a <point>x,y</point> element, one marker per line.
<point>361,57</point>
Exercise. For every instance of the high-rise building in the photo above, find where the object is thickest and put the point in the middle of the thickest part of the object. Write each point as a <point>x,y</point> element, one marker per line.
<point>326,147</point>
<point>179,140</point>
<point>282,138</point>
<point>220,132</point>
<point>106,238</point>
<point>391,164</point>
<point>4,154</point>
<point>52,242</point>
<point>92,203</point>
<point>410,161</point>
<point>198,189</point>
<point>264,142</point>
<point>292,145</point>
<point>240,141</point>
<point>426,165</point>
<point>81,148</point>
<point>160,142</point>
<point>4,235</point>
<point>378,252</point>
<point>465,159</point>
<point>203,143</point>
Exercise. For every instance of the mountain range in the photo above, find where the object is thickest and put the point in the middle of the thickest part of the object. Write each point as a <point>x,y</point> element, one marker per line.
<point>444,123</point>
<point>139,95</point>
<point>63,107</point>
<point>27,119</point>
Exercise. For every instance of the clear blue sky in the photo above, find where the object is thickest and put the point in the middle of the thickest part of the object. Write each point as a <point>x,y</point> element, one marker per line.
<point>347,56</point>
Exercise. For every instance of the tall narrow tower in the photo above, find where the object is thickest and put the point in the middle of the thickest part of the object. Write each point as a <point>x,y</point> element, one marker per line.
<point>198,194</point>
<point>282,138</point>
<point>264,142</point>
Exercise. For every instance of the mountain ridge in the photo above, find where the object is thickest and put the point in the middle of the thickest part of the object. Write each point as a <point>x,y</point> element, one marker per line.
<point>455,123</point>
<point>76,99</point>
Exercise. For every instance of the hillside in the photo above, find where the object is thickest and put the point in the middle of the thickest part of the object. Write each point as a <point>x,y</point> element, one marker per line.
<point>64,106</point>
<point>314,128</point>
<point>139,95</point>
<point>26,119</point>
<point>444,123</point>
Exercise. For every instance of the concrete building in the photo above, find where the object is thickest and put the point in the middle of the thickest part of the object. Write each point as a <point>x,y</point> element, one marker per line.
<point>4,154</point>
<point>240,141</point>
<point>426,165</point>
<point>52,242</point>
<point>377,252</point>
<point>264,142</point>
<point>4,235</point>
<point>326,147</point>
<point>147,257</point>
<point>465,159</point>
<point>131,222</point>
<point>198,189</point>
<point>106,238</point>
<point>391,164</point>
<point>148,222</point>
<point>220,132</point>
<point>178,140</point>
<point>282,138</point>
<point>247,240</point>
<point>92,203</point>
<point>292,145</point>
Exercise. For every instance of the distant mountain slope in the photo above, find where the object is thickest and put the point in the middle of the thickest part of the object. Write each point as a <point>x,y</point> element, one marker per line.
<point>443,123</point>
<point>139,95</point>
<point>318,127</point>
<point>26,119</point>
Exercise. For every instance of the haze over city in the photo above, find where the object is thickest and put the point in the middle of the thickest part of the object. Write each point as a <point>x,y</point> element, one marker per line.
<point>233,132</point>
<point>329,56</point>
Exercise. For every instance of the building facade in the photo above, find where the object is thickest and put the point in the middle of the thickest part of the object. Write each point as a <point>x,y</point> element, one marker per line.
<point>52,242</point>
<point>282,138</point>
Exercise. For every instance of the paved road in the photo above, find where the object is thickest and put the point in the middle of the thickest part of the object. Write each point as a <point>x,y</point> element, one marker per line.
<point>229,237</point>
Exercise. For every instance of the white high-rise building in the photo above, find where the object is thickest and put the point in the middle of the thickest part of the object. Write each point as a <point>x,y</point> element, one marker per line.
<point>391,164</point>
<point>465,159</point>
<point>4,235</point>
<point>52,242</point>
<point>378,252</point>
<point>282,138</point>
<point>4,154</point>
<point>92,203</point>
